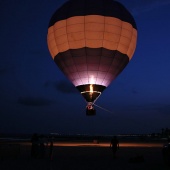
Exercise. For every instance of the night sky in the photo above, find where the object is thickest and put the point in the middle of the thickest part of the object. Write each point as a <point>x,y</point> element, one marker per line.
<point>35,96</point>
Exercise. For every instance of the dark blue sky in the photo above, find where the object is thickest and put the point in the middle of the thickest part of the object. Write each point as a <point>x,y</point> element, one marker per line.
<point>36,97</point>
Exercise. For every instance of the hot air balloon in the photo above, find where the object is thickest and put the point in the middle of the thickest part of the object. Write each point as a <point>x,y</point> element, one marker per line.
<point>91,41</point>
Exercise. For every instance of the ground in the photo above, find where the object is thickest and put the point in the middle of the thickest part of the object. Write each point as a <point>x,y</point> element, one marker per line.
<point>87,157</point>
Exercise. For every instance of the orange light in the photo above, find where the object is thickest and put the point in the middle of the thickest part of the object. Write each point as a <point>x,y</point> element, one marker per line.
<point>91,88</point>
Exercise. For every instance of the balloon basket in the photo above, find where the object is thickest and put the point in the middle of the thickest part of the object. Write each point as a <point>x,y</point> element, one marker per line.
<point>90,110</point>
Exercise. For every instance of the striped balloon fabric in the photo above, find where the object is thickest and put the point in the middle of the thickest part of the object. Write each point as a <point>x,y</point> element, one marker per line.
<point>92,41</point>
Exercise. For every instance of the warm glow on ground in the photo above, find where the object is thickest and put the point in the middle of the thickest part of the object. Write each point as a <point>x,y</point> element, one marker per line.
<point>104,144</point>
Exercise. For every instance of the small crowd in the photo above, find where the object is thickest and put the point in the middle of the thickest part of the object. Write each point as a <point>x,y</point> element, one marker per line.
<point>41,147</point>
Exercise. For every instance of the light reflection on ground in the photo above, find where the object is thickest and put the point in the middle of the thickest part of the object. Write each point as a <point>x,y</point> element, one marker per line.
<point>88,144</point>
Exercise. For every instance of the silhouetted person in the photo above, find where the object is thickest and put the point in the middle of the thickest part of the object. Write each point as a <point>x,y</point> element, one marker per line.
<point>166,153</point>
<point>51,150</point>
<point>114,144</point>
<point>41,146</point>
<point>34,147</point>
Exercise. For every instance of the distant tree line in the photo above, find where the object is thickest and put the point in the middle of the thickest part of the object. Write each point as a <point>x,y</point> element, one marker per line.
<point>165,133</point>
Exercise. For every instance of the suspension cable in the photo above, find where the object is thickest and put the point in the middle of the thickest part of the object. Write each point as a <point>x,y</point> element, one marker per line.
<point>102,108</point>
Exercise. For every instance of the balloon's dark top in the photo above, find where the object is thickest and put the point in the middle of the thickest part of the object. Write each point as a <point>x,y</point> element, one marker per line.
<point>92,7</point>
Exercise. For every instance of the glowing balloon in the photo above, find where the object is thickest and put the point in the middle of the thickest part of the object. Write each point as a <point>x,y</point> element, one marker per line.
<point>92,41</point>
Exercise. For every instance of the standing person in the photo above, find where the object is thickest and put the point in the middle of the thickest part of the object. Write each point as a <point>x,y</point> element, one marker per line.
<point>114,144</point>
<point>51,149</point>
<point>41,146</point>
<point>34,147</point>
<point>166,153</point>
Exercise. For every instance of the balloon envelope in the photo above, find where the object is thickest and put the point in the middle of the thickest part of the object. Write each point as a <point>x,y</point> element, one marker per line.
<point>92,41</point>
